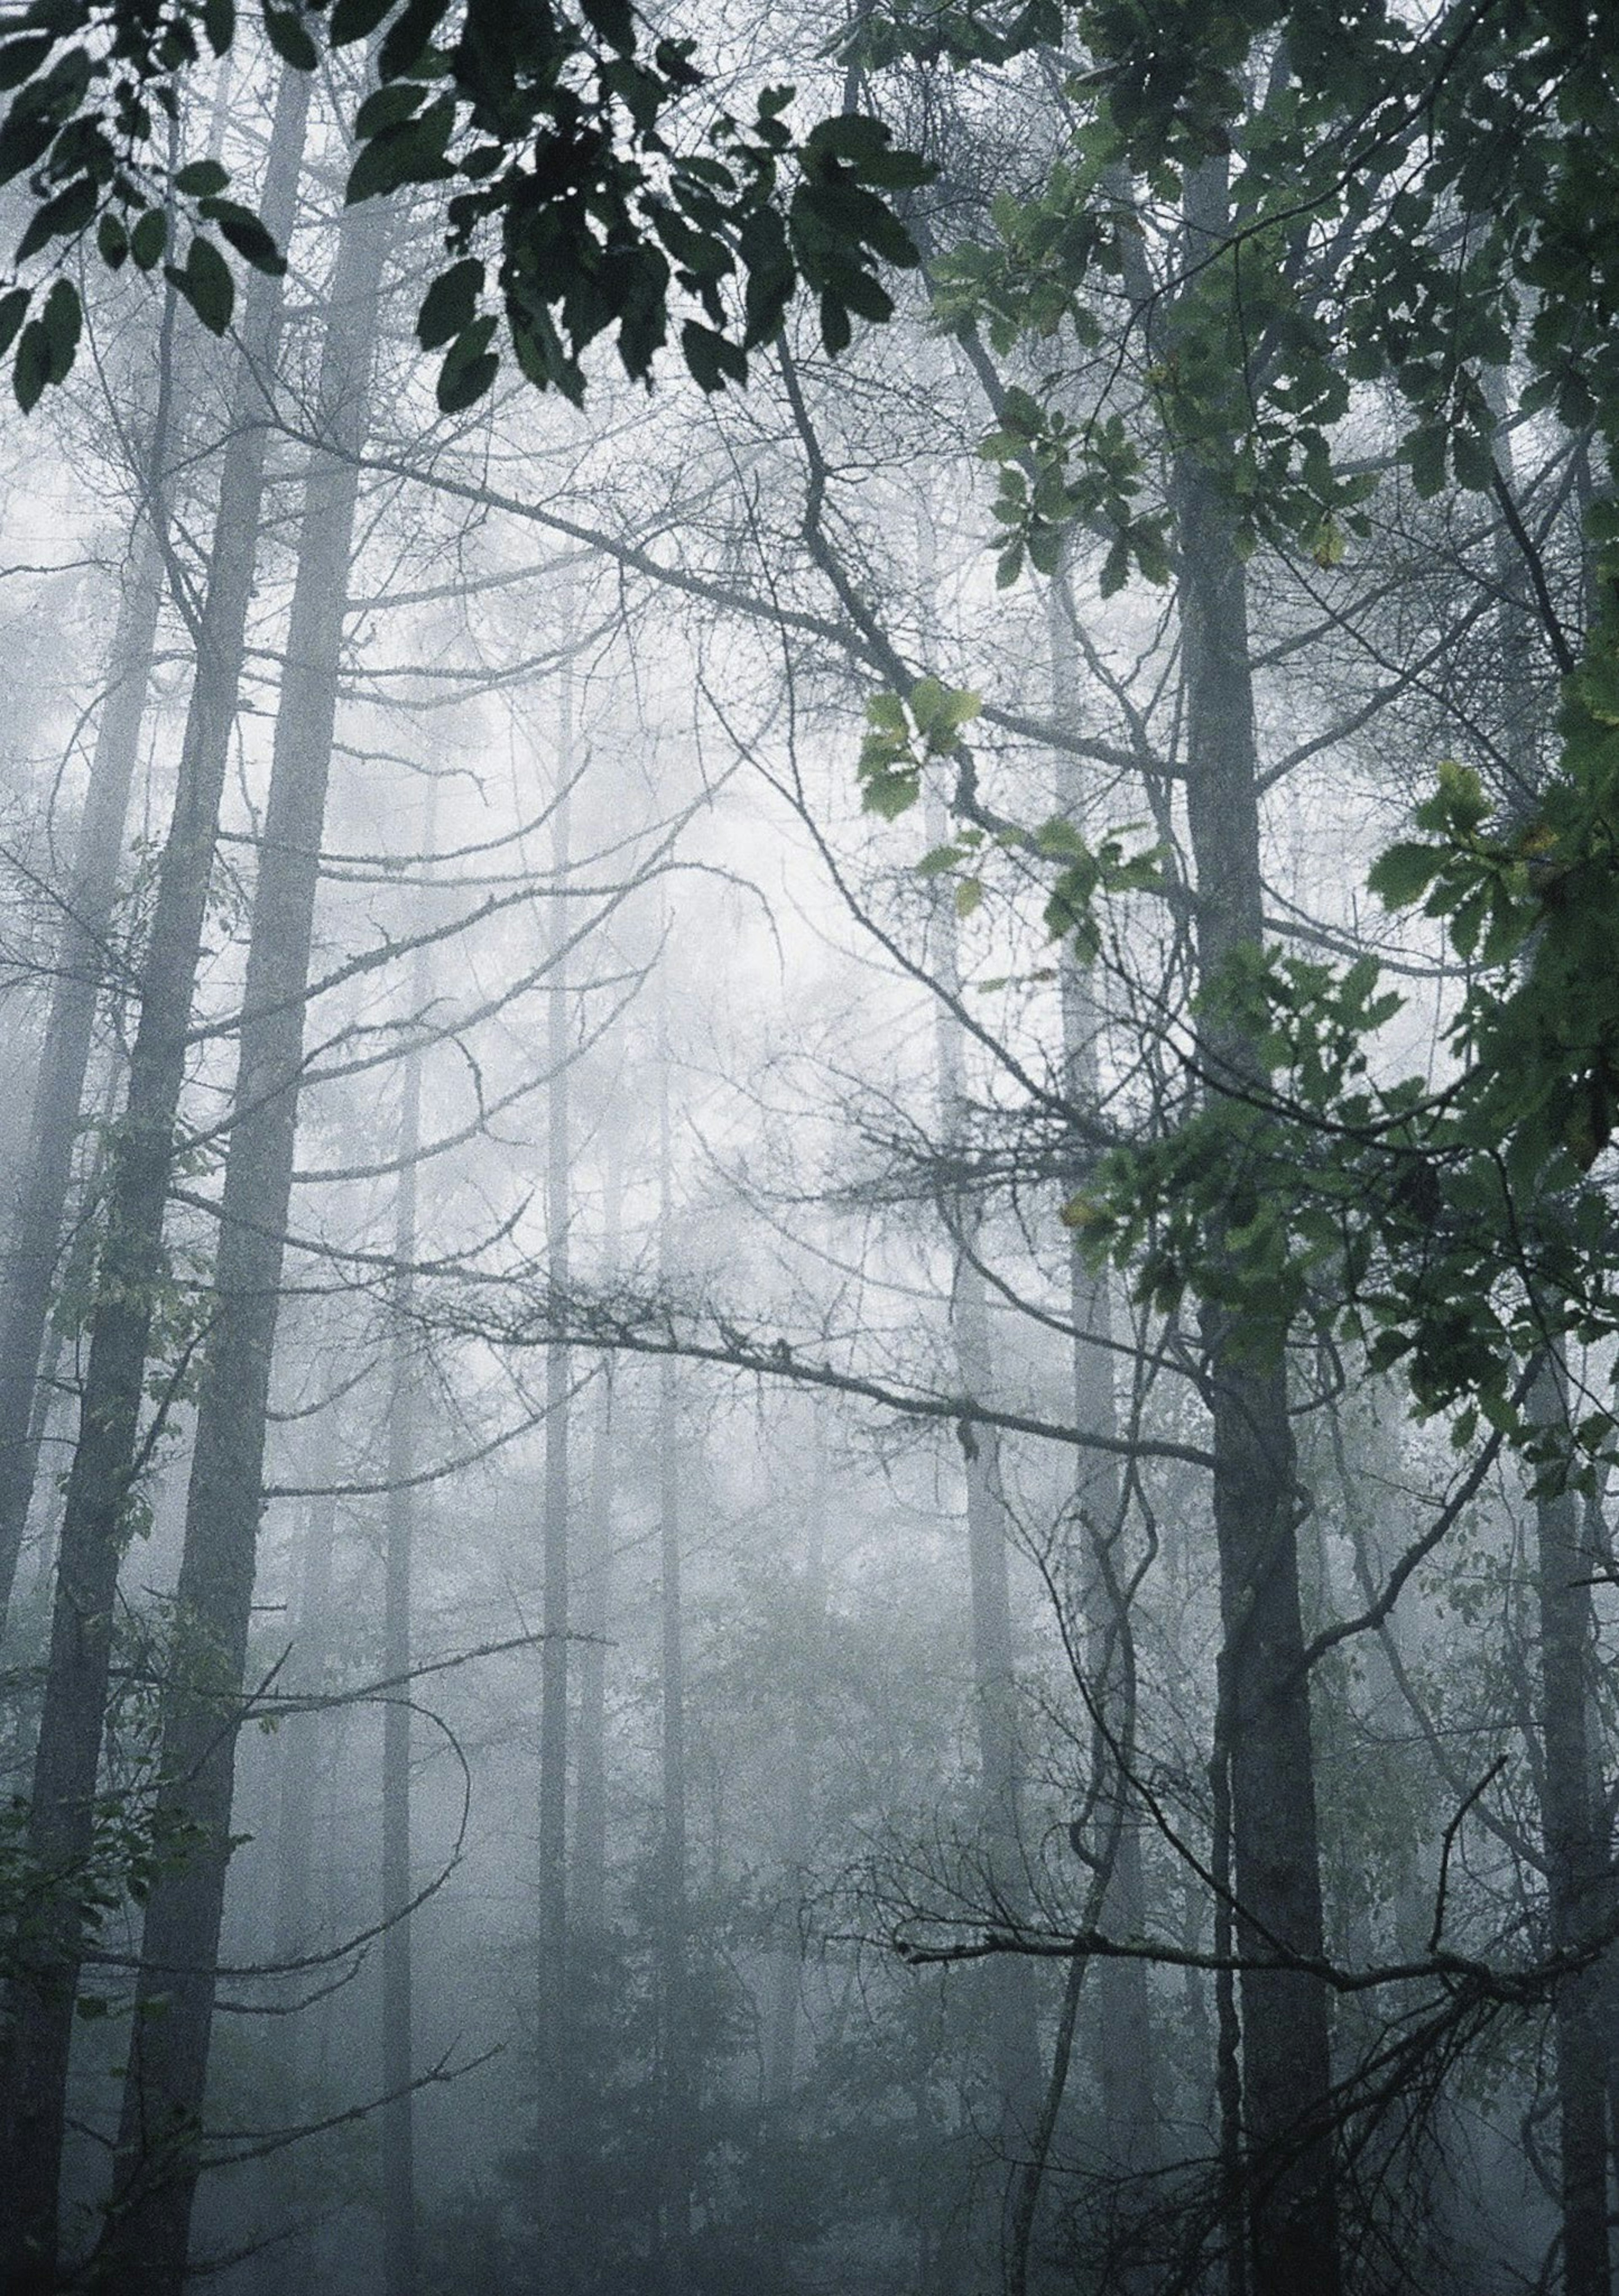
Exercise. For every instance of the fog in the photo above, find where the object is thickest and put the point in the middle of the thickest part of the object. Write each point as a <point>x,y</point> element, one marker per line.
<point>649,1650</point>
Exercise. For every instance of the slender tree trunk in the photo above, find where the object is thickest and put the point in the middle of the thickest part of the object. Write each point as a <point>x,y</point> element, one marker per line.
<point>590,1812</point>
<point>399,2265</point>
<point>1265,1711</point>
<point>781,2064</point>
<point>300,1736</point>
<point>61,1828</point>
<point>554,1988</point>
<point>1577,1866</point>
<point>157,2166</point>
<point>1012,1981</point>
<point>80,965</point>
<point>679,2099</point>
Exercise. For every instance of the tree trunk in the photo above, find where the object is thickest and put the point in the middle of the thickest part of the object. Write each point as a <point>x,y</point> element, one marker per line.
<point>554,1989</point>
<point>781,2063</point>
<point>158,2157</point>
<point>1264,1719</point>
<point>675,2213</point>
<point>80,967</point>
<point>1577,1866</point>
<point>398,2054</point>
<point>61,1826</point>
<point>1010,1980</point>
<point>591,1810</point>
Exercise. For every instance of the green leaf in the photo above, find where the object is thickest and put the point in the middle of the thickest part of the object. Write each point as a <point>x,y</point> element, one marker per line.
<point>219,24</point>
<point>62,218</point>
<point>969,896</point>
<point>247,234</point>
<point>206,284</point>
<point>200,178</point>
<point>712,360</point>
<point>13,310</point>
<point>284,30</point>
<point>1403,873</point>
<point>149,238</point>
<point>450,304</point>
<point>112,241</point>
<point>355,19</point>
<point>469,368</point>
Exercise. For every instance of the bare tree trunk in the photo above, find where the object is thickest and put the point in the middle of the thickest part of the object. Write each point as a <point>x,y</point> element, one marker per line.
<point>1124,2045</point>
<point>554,1988</point>
<point>158,2158</point>
<point>675,2213</point>
<point>61,1828</point>
<point>1577,1866</point>
<point>781,2063</point>
<point>1017,2067</point>
<point>300,1735</point>
<point>590,1811</point>
<point>80,967</point>
<point>399,2268</point>
<point>1265,1708</point>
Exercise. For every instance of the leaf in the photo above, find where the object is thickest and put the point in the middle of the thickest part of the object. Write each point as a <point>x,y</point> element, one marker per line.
<point>1403,873</point>
<point>969,896</point>
<point>62,316</point>
<point>206,284</point>
<point>200,179</point>
<point>284,30</point>
<point>410,153</point>
<point>112,241</point>
<point>219,24</point>
<point>712,360</point>
<point>62,218</point>
<point>355,19</point>
<point>469,368</point>
<point>450,304</point>
<point>247,233</point>
<point>149,238</point>
<point>21,57</point>
<point>31,368</point>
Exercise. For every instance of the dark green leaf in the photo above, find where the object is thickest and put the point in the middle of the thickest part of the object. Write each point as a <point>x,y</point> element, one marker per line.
<point>386,107</point>
<point>206,284</point>
<point>149,238</point>
<point>408,35</point>
<point>62,217</point>
<point>712,361</point>
<point>219,23</point>
<point>450,304</point>
<point>284,30</point>
<point>19,58</point>
<point>200,178</point>
<point>355,19</point>
<point>62,316</point>
<point>32,369</point>
<point>1404,873</point>
<point>13,310</point>
<point>112,241</point>
<point>247,234</point>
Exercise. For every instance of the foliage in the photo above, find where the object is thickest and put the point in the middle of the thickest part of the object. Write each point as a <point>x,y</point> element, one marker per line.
<point>562,137</point>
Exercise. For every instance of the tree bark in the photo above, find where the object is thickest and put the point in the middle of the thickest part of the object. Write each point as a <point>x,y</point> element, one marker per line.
<point>1010,1981</point>
<point>1578,1884</point>
<point>554,1989</point>
<point>62,1824</point>
<point>64,1056</point>
<point>398,2126</point>
<point>158,2155</point>
<point>678,2101</point>
<point>1265,1708</point>
<point>590,1809</point>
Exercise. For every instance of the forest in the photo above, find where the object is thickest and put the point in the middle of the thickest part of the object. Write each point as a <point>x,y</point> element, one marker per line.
<point>809,945</point>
